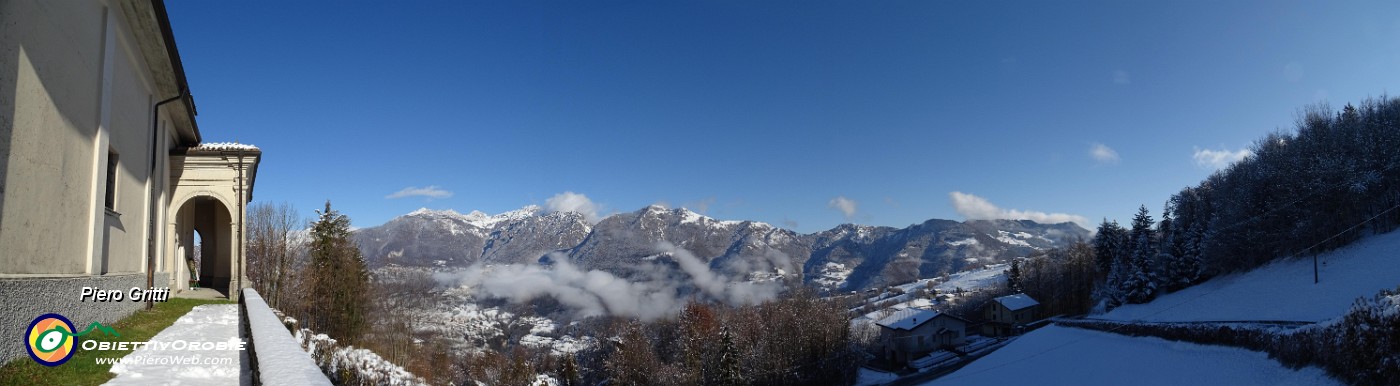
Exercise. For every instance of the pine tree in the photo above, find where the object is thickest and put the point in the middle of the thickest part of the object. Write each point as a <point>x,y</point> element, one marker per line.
<point>339,280</point>
<point>1140,278</point>
<point>1110,246</point>
<point>1013,276</point>
<point>730,372</point>
<point>568,372</point>
<point>1170,252</point>
<point>1111,258</point>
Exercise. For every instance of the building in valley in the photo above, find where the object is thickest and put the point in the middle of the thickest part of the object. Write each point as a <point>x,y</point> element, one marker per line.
<point>911,333</point>
<point>1008,315</point>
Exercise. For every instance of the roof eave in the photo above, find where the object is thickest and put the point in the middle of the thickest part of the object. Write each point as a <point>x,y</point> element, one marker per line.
<point>191,136</point>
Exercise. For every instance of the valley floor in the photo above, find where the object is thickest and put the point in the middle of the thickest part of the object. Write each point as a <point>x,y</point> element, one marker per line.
<point>1057,355</point>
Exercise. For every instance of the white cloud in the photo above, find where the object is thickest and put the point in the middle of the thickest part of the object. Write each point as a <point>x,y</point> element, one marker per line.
<point>1121,77</point>
<point>590,293</point>
<point>655,291</point>
<point>845,205</point>
<point>1219,159</point>
<point>430,192</point>
<point>1103,154</point>
<point>573,202</point>
<point>977,208</point>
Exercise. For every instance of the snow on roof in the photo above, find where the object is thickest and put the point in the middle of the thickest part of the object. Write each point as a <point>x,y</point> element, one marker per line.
<point>1016,302</point>
<point>224,146</point>
<point>907,319</point>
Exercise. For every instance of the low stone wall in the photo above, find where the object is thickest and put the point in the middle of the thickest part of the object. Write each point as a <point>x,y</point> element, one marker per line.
<point>273,354</point>
<point>25,298</point>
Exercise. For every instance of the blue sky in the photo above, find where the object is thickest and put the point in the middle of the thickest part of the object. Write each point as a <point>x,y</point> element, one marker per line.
<point>801,114</point>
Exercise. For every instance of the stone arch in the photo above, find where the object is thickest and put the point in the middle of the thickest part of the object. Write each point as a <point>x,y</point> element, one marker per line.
<point>208,190</point>
<point>216,224</point>
<point>187,195</point>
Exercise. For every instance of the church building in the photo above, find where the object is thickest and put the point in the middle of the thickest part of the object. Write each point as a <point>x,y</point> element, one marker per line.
<point>106,181</point>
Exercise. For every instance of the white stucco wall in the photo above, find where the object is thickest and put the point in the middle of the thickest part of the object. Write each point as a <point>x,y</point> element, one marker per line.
<point>74,85</point>
<point>78,78</point>
<point>50,83</point>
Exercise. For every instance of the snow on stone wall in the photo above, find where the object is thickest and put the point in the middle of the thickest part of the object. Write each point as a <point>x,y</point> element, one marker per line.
<point>280,359</point>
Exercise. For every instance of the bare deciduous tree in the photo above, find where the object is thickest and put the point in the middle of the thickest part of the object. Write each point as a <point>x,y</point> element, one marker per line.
<point>272,248</point>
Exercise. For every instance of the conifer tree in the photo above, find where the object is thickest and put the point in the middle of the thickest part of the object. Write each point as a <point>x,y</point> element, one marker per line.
<point>1109,245</point>
<point>1111,258</point>
<point>1013,276</point>
<point>568,372</point>
<point>1140,279</point>
<point>730,372</point>
<point>339,280</point>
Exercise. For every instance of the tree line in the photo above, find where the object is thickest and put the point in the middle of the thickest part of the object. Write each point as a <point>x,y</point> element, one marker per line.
<point>1334,180</point>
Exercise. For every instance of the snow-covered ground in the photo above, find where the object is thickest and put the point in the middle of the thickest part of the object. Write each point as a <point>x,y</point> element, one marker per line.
<point>833,276</point>
<point>1068,356</point>
<point>991,276</point>
<point>473,325</point>
<point>151,365</point>
<point>1283,290</point>
<point>868,377</point>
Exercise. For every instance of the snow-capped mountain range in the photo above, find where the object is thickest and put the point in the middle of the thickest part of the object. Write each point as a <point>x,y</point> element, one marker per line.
<point>847,257</point>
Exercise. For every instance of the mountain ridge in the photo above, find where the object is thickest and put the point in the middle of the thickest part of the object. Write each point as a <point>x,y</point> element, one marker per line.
<point>846,257</point>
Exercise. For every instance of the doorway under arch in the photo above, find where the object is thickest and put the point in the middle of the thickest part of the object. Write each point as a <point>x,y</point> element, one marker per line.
<point>206,224</point>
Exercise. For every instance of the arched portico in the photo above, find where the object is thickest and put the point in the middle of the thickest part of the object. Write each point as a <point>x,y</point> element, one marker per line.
<point>210,187</point>
<point>212,221</point>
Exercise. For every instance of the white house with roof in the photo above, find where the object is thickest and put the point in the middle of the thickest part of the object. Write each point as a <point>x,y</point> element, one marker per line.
<point>1004,316</point>
<point>911,333</point>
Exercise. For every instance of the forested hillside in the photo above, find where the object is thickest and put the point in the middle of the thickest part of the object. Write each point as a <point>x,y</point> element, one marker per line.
<point>1331,181</point>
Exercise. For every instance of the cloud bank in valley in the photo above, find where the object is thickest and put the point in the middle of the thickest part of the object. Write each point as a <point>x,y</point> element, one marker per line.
<point>657,294</point>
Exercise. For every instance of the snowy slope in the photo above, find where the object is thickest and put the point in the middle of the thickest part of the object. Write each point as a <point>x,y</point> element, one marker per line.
<point>1283,290</point>
<point>993,275</point>
<point>1068,356</point>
